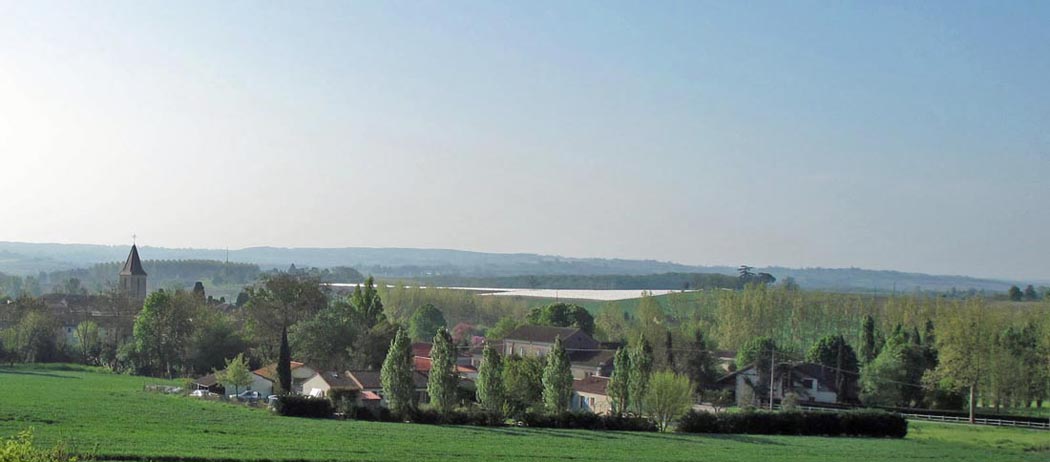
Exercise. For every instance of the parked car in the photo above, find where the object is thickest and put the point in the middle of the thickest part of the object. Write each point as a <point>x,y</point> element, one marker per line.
<point>246,396</point>
<point>203,394</point>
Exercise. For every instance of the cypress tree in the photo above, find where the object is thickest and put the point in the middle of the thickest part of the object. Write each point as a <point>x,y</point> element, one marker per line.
<point>490,391</point>
<point>284,364</point>
<point>620,382</point>
<point>669,351</point>
<point>443,379</point>
<point>867,344</point>
<point>396,374</point>
<point>557,379</point>
<point>641,369</point>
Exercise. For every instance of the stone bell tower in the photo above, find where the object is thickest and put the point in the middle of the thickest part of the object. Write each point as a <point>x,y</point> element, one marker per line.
<point>133,277</point>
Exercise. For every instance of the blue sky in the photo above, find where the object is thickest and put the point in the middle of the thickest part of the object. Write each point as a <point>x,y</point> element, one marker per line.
<point>895,135</point>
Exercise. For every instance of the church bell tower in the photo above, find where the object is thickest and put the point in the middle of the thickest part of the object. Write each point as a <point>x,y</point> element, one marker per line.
<point>133,277</point>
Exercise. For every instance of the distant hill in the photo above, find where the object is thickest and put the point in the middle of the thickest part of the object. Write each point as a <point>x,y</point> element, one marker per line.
<point>30,258</point>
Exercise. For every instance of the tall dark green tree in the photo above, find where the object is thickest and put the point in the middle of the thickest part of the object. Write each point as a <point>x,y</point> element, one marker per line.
<point>669,351</point>
<point>641,369</point>
<point>867,342</point>
<point>557,379</point>
<point>700,365</point>
<point>490,391</point>
<point>619,387</point>
<point>1015,293</point>
<point>443,380</point>
<point>284,364</point>
<point>396,374</point>
<point>833,352</point>
<point>1030,293</point>
<point>523,382</point>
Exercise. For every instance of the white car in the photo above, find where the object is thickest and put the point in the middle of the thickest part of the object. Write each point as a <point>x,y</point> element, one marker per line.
<point>202,394</point>
<point>246,396</point>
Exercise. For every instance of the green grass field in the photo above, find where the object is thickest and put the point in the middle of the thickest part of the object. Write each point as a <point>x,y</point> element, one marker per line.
<point>88,409</point>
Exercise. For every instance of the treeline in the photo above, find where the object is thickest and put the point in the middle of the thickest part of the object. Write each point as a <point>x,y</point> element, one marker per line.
<point>99,277</point>
<point>668,281</point>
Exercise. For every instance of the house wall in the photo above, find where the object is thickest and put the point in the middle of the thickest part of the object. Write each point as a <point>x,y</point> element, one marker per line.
<point>598,404</point>
<point>315,383</point>
<point>259,384</point>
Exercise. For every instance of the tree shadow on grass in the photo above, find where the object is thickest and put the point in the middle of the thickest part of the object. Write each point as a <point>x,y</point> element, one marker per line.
<point>588,435</point>
<point>41,374</point>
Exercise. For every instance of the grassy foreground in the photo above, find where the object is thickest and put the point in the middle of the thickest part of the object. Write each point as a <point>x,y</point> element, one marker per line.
<point>96,411</point>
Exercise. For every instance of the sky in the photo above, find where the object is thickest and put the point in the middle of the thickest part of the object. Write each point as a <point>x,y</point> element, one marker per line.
<point>888,135</point>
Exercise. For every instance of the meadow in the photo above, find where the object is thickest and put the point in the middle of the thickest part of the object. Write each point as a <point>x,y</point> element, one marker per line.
<point>110,415</point>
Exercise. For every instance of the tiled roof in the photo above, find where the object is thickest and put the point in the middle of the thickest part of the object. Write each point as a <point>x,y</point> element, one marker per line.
<point>593,385</point>
<point>336,380</point>
<point>270,371</point>
<point>207,380</point>
<point>543,334</point>
<point>371,380</point>
<point>421,349</point>
<point>591,358</point>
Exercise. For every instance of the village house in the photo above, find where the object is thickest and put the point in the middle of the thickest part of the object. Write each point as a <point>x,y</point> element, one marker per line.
<point>587,356</point>
<point>810,382</point>
<point>370,386</point>
<point>589,394</point>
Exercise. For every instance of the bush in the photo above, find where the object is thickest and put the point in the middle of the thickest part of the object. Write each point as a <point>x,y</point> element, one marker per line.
<point>21,449</point>
<point>473,416</point>
<point>877,424</point>
<point>303,406</point>
<point>587,421</point>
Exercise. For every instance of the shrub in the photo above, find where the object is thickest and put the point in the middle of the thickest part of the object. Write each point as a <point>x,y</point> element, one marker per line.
<point>21,449</point>
<point>587,421</point>
<point>473,416</point>
<point>877,424</point>
<point>303,406</point>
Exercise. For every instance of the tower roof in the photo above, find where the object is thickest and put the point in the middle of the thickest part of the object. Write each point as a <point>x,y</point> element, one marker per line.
<point>133,266</point>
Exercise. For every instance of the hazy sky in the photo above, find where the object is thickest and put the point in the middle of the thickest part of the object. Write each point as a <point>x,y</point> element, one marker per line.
<point>896,135</point>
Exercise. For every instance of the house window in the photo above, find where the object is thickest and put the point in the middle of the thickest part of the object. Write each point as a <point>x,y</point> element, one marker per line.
<point>809,384</point>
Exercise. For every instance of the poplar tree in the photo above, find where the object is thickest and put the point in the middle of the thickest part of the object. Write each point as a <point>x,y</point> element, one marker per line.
<point>396,374</point>
<point>620,382</point>
<point>443,380</point>
<point>557,379</point>
<point>490,391</point>
<point>641,369</point>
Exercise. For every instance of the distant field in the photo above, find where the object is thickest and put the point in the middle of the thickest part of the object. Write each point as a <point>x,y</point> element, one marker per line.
<point>87,409</point>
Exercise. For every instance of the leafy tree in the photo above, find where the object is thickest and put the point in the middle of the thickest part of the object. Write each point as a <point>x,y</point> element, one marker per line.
<point>962,348</point>
<point>369,349</point>
<point>236,373</point>
<point>668,398</point>
<point>620,382</point>
<point>365,299</point>
<point>33,338</point>
<point>396,374</point>
<point>523,382</point>
<point>557,379</point>
<point>641,369</point>
<point>89,341</point>
<point>562,315</point>
<point>490,391</point>
<point>443,380</point>
<point>242,298</point>
<point>284,364</point>
<point>1015,293</point>
<point>215,338</point>
<point>425,321</point>
<point>326,339</point>
<point>833,352</point>
<point>611,324</point>
<point>280,301</point>
<point>163,331</point>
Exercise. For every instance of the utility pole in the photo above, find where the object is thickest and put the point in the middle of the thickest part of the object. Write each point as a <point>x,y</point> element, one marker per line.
<point>772,374</point>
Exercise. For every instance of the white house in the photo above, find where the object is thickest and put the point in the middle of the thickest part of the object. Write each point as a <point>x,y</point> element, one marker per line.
<point>589,394</point>
<point>811,382</point>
